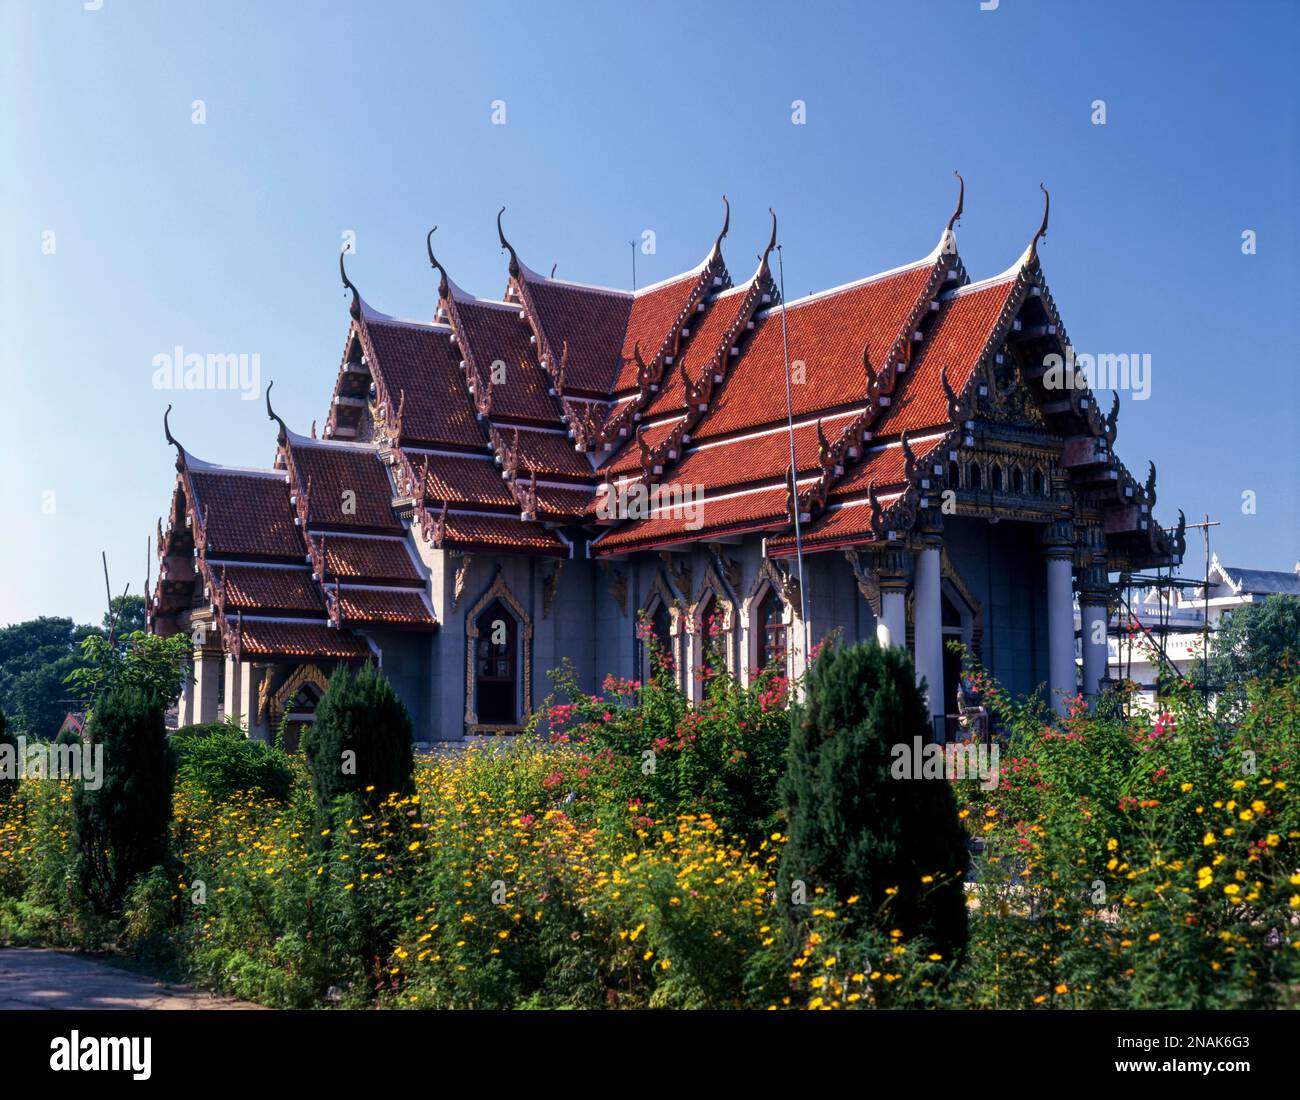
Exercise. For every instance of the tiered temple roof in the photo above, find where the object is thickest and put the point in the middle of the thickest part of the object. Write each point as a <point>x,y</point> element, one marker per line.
<point>503,425</point>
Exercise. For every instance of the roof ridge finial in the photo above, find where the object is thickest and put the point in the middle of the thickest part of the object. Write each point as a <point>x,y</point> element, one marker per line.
<point>514,258</point>
<point>273,415</point>
<point>1032,254</point>
<point>443,281</point>
<point>771,244</point>
<point>355,307</point>
<point>726,228</point>
<point>167,431</point>
<point>961,201</point>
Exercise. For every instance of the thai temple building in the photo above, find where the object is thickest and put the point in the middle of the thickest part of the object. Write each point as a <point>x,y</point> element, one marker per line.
<point>524,480</point>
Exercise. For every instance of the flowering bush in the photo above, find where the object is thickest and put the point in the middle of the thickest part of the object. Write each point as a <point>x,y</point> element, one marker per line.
<point>645,746</point>
<point>1133,860</point>
<point>1127,860</point>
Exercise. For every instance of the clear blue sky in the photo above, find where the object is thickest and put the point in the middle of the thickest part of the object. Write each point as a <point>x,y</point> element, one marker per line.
<point>376,117</point>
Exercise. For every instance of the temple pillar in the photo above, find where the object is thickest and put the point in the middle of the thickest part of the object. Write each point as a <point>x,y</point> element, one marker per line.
<point>928,626</point>
<point>207,679</point>
<point>185,705</point>
<point>250,681</point>
<point>233,700</point>
<point>891,627</point>
<point>1093,621</point>
<point>1059,551</point>
<point>891,624</point>
<point>1094,610</point>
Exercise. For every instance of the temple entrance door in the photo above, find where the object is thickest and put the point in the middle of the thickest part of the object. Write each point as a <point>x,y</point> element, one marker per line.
<point>496,680</point>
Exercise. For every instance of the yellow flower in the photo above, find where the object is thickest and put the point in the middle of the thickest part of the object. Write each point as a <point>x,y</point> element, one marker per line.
<point>1153,937</point>
<point>1208,839</point>
<point>1232,889</point>
<point>927,878</point>
<point>1184,787</point>
<point>1062,988</point>
<point>1112,844</point>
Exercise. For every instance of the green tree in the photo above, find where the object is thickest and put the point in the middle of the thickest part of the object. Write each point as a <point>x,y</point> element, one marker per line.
<point>35,659</point>
<point>1258,641</point>
<point>157,665</point>
<point>126,616</point>
<point>854,830</point>
<point>360,742</point>
<point>120,827</point>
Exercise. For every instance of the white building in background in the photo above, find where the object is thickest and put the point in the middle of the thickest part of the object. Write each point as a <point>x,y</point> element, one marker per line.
<point>1181,615</point>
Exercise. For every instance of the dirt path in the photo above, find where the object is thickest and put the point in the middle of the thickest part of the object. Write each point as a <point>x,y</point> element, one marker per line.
<point>36,978</point>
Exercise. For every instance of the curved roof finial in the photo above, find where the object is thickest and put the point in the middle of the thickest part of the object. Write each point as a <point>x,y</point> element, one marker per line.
<point>167,431</point>
<point>355,307</point>
<point>771,244</point>
<point>273,415</point>
<point>514,259</point>
<point>726,228</point>
<point>961,202</point>
<point>1032,254</point>
<point>443,281</point>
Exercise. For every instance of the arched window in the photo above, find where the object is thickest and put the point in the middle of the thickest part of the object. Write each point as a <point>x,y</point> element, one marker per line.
<point>662,627</point>
<point>496,671</point>
<point>974,475</point>
<point>1017,480</point>
<point>1038,483</point>
<point>771,624</point>
<point>954,476</point>
<point>997,478</point>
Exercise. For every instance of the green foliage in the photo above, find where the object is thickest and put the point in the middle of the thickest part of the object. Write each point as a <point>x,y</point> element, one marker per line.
<point>127,616</point>
<point>1258,641</point>
<point>35,660</point>
<point>854,830</point>
<point>1141,861</point>
<point>152,663</point>
<point>360,742</point>
<point>219,760</point>
<point>120,828</point>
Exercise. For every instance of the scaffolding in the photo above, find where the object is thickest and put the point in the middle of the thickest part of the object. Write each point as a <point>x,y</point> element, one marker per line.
<point>1124,620</point>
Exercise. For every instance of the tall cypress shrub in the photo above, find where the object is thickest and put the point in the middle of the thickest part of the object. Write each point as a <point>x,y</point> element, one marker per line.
<point>854,829</point>
<point>360,742</point>
<point>121,826</point>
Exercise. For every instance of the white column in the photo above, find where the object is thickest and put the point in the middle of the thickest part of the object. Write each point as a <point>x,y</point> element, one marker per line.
<point>207,676</point>
<point>233,700</point>
<point>891,627</point>
<point>185,704</point>
<point>1060,626</point>
<point>928,625</point>
<point>1092,621</point>
<point>250,679</point>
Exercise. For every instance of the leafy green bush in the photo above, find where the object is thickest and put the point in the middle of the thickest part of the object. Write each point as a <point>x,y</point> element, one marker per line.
<point>120,828</point>
<point>854,830</point>
<point>219,759</point>
<point>360,741</point>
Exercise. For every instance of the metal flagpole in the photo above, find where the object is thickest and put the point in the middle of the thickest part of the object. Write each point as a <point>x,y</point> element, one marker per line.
<point>794,465</point>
